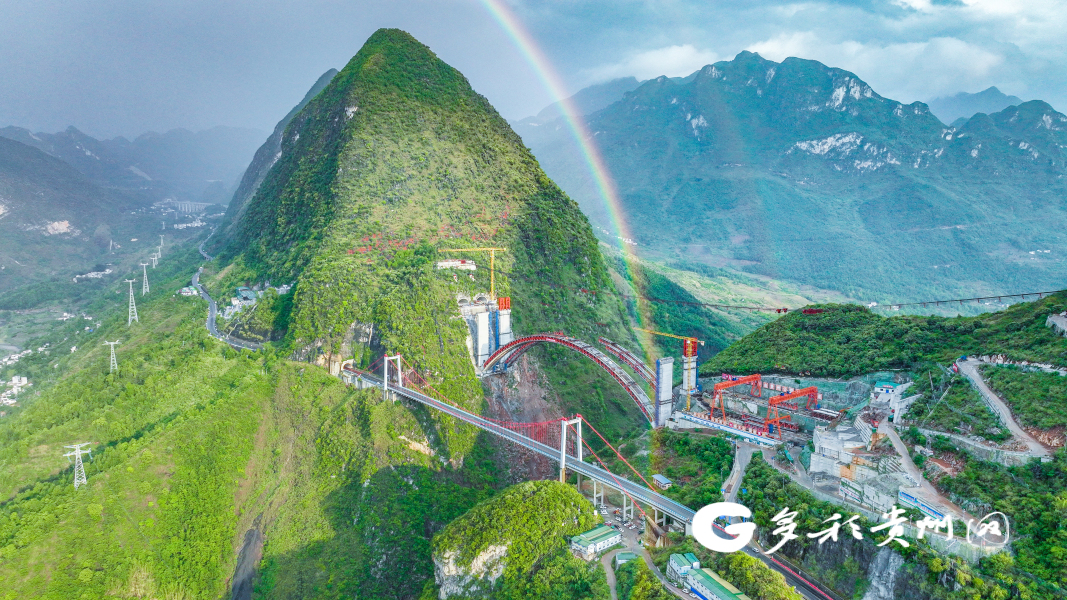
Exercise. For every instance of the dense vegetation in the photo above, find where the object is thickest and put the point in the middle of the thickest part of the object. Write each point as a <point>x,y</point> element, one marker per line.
<point>750,575</point>
<point>534,522</point>
<point>842,565</point>
<point>396,158</point>
<point>696,464</point>
<point>953,405</point>
<point>635,581</point>
<point>193,446</point>
<point>1037,399</point>
<point>847,340</point>
<point>1035,498</point>
<point>681,317</point>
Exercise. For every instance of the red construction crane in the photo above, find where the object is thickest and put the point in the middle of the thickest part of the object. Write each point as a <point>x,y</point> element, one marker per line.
<point>755,381</point>
<point>813,398</point>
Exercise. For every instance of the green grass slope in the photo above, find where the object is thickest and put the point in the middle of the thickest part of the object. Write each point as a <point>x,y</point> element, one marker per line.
<point>197,448</point>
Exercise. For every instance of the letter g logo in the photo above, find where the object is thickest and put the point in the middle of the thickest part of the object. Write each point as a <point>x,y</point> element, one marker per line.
<point>704,529</point>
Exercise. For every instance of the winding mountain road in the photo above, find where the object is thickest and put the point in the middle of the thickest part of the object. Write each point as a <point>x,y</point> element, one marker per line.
<point>212,312</point>
<point>969,368</point>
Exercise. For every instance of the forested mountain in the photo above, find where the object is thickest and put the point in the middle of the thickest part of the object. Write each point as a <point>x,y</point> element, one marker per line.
<point>53,221</point>
<point>395,157</point>
<point>264,159</point>
<point>199,167</point>
<point>800,171</point>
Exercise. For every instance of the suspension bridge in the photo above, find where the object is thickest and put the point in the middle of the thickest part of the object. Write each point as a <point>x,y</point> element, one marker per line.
<point>558,440</point>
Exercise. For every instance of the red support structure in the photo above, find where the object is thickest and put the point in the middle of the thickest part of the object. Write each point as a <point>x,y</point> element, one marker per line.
<point>508,353</point>
<point>812,394</point>
<point>755,381</point>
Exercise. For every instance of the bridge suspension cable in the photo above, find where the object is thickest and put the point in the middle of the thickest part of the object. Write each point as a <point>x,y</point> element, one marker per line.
<point>539,428</point>
<point>776,309</point>
<point>960,301</point>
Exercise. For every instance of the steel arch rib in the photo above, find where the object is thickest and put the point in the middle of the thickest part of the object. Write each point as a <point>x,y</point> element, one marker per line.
<point>507,354</point>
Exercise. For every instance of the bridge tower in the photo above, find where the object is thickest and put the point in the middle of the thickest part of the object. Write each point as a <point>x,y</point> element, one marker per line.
<point>664,389</point>
<point>385,374</point>
<point>563,446</point>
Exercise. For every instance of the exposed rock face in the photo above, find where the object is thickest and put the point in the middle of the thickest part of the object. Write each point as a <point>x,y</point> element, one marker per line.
<point>478,577</point>
<point>883,573</point>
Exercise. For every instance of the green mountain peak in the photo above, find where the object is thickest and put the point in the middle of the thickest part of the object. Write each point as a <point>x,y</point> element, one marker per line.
<point>395,158</point>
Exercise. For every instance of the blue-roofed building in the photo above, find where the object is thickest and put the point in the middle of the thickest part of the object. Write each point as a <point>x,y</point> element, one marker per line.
<point>661,482</point>
<point>679,565</point>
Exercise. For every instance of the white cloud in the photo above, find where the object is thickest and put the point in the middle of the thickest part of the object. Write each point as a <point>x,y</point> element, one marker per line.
<point>903,71</point>
<point>672,61</point>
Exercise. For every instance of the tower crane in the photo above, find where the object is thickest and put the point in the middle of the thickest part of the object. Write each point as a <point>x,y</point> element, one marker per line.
<point>689,361</point>
<point>492,264</point>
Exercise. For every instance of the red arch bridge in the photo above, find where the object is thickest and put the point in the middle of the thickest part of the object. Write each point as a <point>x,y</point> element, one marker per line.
<point>506,355</point>
<point>559,440</point>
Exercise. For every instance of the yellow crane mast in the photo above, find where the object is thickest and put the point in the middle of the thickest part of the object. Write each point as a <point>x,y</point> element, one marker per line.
<point>689,353</point>
<point>492,264</point>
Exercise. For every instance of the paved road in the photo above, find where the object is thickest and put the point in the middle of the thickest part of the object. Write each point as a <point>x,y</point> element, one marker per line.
<point>970,369</point>
<point>677,591</point>
<point>742,456</point>
<point>928,491</point>
<point>609,570</point>
<point>201,247</point>
<point>212,312</point>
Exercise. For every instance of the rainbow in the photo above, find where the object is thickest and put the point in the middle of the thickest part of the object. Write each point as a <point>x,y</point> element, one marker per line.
<point>602,179</point>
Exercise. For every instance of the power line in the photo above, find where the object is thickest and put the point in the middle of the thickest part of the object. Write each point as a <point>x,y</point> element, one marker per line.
<point>144,288</point>
<point>960,301</point>
<point>646,298</point>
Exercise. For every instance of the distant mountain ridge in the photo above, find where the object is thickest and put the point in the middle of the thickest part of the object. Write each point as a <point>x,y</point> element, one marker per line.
<point>53,221</point>
<point>264,159</point>
<point>201,166</point>
<point>800,171</point>
<point>957,109</point>
<point>586,101</point>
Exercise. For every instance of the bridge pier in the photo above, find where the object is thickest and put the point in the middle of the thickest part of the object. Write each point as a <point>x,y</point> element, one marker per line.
<point>598,494</point>
<point>627,511</point>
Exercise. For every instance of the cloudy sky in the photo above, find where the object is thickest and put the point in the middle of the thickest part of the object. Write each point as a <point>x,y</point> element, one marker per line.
<point>122,67</point>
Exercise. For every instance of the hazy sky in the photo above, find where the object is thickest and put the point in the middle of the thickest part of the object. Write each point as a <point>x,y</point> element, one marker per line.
<point>122,67</point>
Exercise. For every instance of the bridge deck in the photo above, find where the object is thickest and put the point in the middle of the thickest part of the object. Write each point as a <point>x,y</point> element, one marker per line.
<point>630,359</point>
<point>638,492</point>
<point>507,353</point>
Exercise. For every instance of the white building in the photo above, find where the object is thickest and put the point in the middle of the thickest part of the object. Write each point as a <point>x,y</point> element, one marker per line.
<point>595,540</point>
<point>456,263</point>
<point>662,482</point>
<point>679,565</point>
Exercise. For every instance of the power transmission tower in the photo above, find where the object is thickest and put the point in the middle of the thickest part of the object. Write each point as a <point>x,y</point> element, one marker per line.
<point>144,288</point>
<point>161,246</point>
<point>133,305</point>
<point>154,258</point>
<point>114,361</point>
<point>79,469</point>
